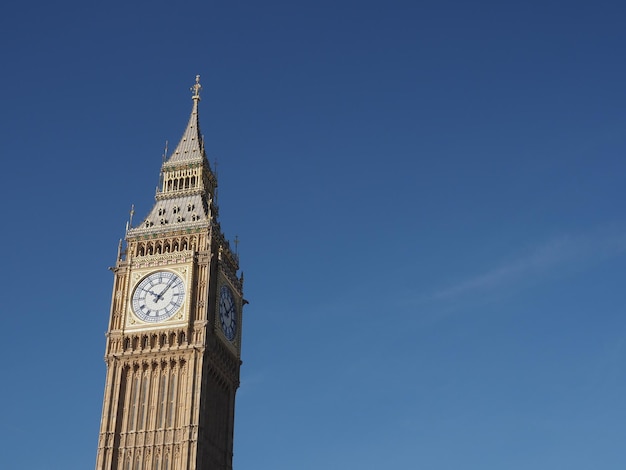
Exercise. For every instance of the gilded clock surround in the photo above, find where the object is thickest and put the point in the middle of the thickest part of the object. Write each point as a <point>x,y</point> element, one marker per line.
<point>180,315</point>
<point>170,386</point>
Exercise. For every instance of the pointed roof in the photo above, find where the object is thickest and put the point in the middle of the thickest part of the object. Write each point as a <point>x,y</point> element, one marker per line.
<point>191,147</point>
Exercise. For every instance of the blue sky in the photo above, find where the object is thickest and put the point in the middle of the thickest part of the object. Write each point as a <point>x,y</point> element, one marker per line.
<point>430,203</point>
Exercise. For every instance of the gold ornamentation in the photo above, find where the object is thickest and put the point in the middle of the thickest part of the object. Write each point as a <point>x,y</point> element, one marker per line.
<point>196,88</point>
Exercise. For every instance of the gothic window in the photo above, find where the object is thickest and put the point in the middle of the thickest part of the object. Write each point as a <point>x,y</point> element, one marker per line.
<point>182,338</point>
<point>176,209</point>
<point>193,181</point>
<point>170,402</point>
<point>190,207</point>
<point>180,218</point>
<point>162,402</point>
<point>133,404</point>
<point>142,403</point>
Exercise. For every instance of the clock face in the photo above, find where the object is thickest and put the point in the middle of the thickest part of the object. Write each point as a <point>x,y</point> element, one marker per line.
<point>228,313</point>
<point>158,296</point>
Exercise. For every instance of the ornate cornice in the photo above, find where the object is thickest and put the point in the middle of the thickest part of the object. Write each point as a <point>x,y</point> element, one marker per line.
<point>163,259</point>
<point>161,196</point>
<point>155,231</point>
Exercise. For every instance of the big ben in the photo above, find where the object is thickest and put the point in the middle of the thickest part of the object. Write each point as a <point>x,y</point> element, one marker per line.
<point>173,344</point>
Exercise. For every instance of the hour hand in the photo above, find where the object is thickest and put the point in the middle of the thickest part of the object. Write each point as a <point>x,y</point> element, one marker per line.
<point>156,296</point>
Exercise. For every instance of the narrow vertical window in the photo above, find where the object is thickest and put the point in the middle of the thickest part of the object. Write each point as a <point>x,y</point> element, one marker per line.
<point>162,402</point>
<point>166,462</point>
<point>133,404</point>
<point>170,403</point>
<point>142,403</point>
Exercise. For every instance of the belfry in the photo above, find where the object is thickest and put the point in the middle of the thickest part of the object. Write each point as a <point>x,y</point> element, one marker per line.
<point>173,344</point>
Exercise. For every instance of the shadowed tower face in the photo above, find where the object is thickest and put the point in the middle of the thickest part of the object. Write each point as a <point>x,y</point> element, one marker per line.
<point>174,339</point>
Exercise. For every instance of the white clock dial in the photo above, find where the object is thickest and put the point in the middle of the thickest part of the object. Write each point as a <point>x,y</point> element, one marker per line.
<point>228,313</point>
<point>158,296</point>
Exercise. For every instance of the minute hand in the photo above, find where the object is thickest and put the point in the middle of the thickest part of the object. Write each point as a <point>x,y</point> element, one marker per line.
<point>169,284</point>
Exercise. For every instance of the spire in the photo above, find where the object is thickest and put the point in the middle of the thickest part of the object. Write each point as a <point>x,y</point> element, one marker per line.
<point>190,148</point>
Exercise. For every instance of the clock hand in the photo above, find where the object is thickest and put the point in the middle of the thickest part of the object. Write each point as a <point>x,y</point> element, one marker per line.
<point>169,284</point>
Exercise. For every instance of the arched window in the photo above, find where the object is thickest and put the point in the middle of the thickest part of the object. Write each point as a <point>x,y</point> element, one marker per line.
<point>162,401</point>
<point>143,403</point>
<point>171,402</point>
<point>133,404</point>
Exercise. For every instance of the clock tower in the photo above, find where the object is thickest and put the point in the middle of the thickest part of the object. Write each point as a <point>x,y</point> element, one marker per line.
<point>174,338</point>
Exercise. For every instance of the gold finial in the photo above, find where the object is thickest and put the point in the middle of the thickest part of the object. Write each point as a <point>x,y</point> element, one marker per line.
<point>196,88</point>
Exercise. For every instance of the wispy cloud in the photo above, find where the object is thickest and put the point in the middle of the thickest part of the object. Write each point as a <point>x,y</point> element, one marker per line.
<point>561,254</point>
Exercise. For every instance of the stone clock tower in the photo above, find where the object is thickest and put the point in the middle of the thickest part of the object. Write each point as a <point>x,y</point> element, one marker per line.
<point>174,338</point>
